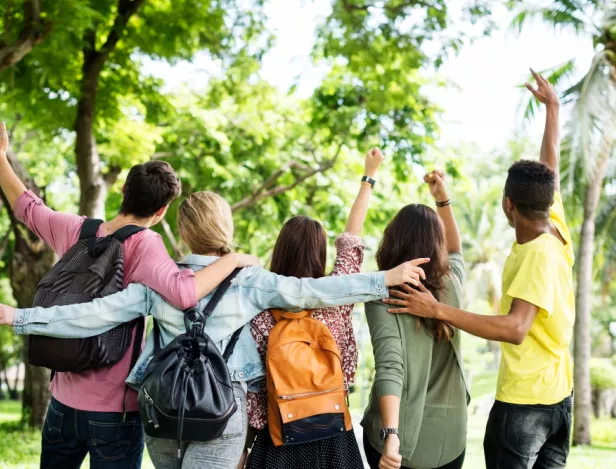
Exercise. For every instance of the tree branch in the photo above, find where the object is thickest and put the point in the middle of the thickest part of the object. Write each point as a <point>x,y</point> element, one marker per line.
<point>111,176</point>
<point>34,31</point>
<point>261,193</point>
<point>171,237</point>
<point>126,9</point>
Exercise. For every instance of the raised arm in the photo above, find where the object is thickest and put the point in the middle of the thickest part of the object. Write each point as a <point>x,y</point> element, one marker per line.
<point>9,182</point>
<point>550,145</point>
<point>357,216</point>
<point>438,189</point>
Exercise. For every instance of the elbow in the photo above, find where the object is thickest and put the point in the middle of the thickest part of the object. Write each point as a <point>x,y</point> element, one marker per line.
<point>517,334</point>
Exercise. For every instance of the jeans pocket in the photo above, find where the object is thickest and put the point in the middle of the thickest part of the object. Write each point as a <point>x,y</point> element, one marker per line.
<point>528,427</point>
<point>112,440</point>
<point>52,429</point>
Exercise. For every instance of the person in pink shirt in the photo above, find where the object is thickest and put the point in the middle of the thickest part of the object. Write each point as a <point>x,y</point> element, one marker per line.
<point>114,438</point>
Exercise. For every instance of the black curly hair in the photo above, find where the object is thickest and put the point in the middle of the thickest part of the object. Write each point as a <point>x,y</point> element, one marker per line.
<point>530,187</point>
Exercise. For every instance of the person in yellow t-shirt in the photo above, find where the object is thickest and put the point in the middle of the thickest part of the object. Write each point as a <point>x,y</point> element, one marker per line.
<point>530,422</point>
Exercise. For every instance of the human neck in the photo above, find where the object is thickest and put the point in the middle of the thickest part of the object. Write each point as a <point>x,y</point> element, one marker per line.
<point>528,230</point>
<point>123,219</point>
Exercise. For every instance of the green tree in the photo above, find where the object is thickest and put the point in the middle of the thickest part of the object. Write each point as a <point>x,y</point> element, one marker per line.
<point>587,149</point>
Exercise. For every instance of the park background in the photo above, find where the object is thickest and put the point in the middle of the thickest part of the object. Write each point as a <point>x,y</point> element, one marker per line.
<point>272,104</point>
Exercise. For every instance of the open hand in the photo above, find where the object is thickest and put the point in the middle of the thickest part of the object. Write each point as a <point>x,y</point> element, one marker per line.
<point>436,182</point>
<point>4,138</point>
<point>391,459</point>
<point>246,260</point>
<point>418,302</point>
<point>545,92</point>
<point>374,158</point>
<point>7,315</point>
<point>409,272</point>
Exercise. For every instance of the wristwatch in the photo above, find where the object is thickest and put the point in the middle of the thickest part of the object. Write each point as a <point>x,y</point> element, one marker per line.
<point>369,180</point>
<point>388,431</point>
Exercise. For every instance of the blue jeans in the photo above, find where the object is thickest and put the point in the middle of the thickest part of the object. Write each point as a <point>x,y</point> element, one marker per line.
<point>528,436</point>
<point>222,453</point>
<point>69,434</point>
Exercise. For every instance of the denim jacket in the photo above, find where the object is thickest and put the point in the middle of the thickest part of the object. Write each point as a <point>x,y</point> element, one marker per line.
<point>252,291</point>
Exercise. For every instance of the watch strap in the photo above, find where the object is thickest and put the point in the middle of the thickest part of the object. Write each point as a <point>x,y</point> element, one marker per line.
<point>388,431</point>
<point>369,180</point>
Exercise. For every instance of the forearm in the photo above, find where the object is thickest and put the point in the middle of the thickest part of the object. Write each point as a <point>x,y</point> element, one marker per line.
<point>84,320</point>
<point>390,411</point>
<point>208,278</point>
<point>550,145</point>
<point>504,328</point>
<point>452,233</point>
<point>9,182</point>
<point>357,216</point>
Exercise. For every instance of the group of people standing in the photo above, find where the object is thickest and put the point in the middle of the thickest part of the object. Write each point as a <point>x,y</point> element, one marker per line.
<point>417,414</point>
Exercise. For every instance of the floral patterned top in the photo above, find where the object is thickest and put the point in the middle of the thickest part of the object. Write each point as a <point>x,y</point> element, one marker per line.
<point>349,258</point>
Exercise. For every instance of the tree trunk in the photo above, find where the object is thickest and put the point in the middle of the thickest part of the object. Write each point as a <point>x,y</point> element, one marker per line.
<point>583,392</point>
<point>93,184</point>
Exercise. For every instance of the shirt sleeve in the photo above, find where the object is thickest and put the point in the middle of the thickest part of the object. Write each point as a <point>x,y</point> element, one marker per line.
<point>58,230</point>
<point>535,282</point>
<point>557,217</point>
<point>387,349</point>
<point>155,269</point>
<point>349,254</point>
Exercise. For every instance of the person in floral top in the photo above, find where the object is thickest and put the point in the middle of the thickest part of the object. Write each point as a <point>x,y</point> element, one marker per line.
<point>300,251</point>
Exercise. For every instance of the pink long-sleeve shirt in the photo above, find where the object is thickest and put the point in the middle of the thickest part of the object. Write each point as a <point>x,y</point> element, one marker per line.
<point>146,261</point>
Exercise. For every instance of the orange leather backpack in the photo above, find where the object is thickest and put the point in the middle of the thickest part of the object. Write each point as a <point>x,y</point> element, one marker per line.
<point>306,400</point>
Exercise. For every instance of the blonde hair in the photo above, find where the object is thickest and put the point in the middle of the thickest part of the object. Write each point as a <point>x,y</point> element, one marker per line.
<point>206,224</point>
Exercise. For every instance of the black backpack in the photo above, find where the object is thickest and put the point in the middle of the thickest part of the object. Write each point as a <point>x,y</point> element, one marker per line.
<point>186,393</point>
<point>91,268</point>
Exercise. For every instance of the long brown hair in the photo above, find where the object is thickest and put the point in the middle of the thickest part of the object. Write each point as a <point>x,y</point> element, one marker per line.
<point>301,249</point>
<point>415,232</point>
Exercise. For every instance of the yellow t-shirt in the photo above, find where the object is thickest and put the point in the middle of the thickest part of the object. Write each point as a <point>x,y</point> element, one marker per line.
<point>539,370</point>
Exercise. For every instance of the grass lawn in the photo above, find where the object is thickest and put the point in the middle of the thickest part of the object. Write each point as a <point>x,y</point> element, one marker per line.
<point>19,448</point>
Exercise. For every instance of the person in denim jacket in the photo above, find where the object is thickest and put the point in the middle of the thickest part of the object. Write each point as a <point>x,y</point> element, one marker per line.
<point>206,226</point>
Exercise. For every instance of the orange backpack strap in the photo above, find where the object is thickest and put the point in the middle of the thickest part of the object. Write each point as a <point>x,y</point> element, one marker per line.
<point>281,313</point>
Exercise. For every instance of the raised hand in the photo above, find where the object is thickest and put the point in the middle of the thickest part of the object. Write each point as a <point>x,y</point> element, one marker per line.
<point>545,92</point>
<point>4,139</point>
<point>409,272</point>
<point>436,182</point>
<point>374,158</point>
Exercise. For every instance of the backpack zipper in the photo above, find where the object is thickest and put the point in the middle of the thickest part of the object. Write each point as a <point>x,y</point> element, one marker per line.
<point>150,410</point>
<point>291,397</point>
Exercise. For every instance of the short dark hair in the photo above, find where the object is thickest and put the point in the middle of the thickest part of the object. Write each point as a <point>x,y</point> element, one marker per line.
<point>148,188</point>
<point>301,249</point>
<point>530,187</point>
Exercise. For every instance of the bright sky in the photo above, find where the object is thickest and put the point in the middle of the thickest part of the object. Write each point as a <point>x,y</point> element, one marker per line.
<point>483,108</point>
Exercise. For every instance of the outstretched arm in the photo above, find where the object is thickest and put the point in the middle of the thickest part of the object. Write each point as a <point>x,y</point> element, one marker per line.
<point>438,189</point>
<point>550,146</point>
<point>355,223</point>
<point>9,182</point>
<point>512,327</point>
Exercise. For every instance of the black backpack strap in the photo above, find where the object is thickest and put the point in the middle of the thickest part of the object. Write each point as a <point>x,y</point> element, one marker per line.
<point>156,332</point>
<point>89,228</point>
<point>231,345</point>
<point>126,232</point>
<point>220,291</point>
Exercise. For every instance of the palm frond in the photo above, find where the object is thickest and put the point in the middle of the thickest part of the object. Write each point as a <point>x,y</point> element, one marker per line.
<point>572,14</point>
<point>592,124</point>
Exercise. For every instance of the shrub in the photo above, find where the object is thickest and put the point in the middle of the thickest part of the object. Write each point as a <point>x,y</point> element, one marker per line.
<point>602,374</point>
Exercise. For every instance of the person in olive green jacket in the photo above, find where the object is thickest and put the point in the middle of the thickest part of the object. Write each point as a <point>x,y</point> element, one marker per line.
<point>417,413</point>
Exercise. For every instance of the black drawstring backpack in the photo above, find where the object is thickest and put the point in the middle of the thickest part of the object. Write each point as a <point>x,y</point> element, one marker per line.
<point>186,393</point>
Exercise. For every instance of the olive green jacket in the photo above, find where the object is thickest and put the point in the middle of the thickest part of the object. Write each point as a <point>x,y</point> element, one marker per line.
<point>427,375</point>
